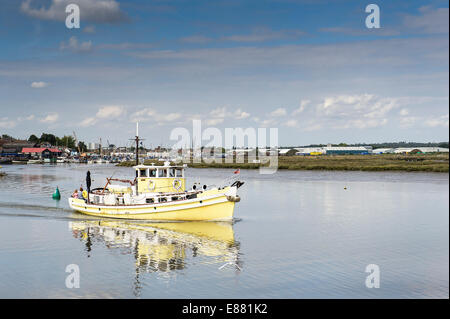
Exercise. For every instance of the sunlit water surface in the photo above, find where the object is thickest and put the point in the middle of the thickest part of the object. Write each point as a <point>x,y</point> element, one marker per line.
<point>297,235</point>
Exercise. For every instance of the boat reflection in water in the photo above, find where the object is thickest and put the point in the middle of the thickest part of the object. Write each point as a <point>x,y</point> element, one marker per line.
<point>163,247</point>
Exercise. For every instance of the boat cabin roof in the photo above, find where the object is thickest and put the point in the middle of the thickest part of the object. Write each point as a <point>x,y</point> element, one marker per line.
<point>141,166</point>
<point>171,171</point>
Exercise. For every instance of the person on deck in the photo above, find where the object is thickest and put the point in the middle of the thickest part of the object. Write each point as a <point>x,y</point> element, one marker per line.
<point>88,181</point>
<point>80,193</point>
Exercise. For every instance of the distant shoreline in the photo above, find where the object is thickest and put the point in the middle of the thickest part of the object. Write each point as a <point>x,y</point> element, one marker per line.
<point>372,163</point>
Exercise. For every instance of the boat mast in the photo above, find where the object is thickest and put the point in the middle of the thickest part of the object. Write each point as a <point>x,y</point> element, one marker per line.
<point>137,140</point>
<point>137,143</point>
<point>101,148</point>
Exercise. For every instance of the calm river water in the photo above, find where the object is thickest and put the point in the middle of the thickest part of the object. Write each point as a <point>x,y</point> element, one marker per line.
<point>297,235</point>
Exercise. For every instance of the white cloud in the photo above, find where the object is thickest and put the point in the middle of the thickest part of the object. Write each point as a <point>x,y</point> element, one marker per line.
<point>265,122</point>
<point>356,111</point>
<point>220,112</point>
<point>214,121</point>
<point>219,115</point>
<point>363,105</point>
<point>50,118</point>
<point>7,123</point>
<point>104,113</point>
<point>75,46</point>
<point>430,20</point>
<point>312,126</point>
<point>240,115</point>
<point>89,29</point>
<point>303,104</point>
<point>362,31</point>
<point>278,112</point>
<point>404,112</point>
<point>143,115</point>
<point>196,39</point>
<point>264,34</point>
<point>97,11</point>
<point>384,53</point>
<point>151,115</point>
<point>408,121</point>
<point>110,112</point>
<point>365,123</point>
<point>361,111</point>
<point>88,122</point>
<point>39,85</point>
<point>291,123</point>
<point>27,118</point>
<point>170,117</point>
<point>437,121</point>
<point>125,46</point>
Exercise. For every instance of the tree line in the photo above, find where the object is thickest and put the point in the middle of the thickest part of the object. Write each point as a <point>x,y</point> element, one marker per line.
<point>67,141</point>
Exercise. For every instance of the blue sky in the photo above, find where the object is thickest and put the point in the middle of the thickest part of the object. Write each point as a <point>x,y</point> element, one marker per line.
<point>310,68</point>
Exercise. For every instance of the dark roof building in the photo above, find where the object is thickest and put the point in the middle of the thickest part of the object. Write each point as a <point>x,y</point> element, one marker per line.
<point>13,148</point>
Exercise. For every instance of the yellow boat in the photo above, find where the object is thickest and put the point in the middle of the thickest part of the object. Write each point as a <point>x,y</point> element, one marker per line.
<point>159,193</point>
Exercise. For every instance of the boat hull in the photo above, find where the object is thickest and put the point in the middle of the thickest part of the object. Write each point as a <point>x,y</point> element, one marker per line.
<point>217,208</point>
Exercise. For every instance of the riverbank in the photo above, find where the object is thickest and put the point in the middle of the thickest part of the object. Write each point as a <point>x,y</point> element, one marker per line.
<point>383,162</point>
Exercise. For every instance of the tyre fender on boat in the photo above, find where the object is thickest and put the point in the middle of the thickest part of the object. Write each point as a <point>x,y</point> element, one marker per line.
<point>177,184</point>
<point>151,185</point>
<point>235,199</point>
<point>232,195</point>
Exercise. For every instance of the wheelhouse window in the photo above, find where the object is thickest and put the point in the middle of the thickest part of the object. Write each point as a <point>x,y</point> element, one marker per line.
<point>143,172</point>
<point>162,172</point>
<point>172,172</point>
<point>179,172</point>
<point>152,173</point>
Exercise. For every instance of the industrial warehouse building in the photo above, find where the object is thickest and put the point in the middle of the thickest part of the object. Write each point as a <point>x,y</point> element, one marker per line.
<point>310,151</point>
<point>13,149</point>
<point>335,150</point>
<point>423,150</point>
<point>364,150</point>
<point>383,151</point>
<point>348,150</point>
<point>410,150</point>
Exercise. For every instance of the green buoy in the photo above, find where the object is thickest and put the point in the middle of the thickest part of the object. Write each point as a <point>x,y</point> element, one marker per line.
<point>56,195</point>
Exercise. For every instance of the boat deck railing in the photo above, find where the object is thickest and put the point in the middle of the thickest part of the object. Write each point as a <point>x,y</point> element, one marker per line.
<point>181,196</point>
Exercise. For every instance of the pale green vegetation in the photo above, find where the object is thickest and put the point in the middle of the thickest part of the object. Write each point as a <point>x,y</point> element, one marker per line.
<point>384,162</point>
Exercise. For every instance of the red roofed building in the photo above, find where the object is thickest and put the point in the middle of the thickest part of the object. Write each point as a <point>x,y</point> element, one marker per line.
<point>41,152</point>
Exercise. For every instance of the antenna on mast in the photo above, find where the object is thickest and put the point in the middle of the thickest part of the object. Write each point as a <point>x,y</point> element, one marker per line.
<point>137,140</point>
